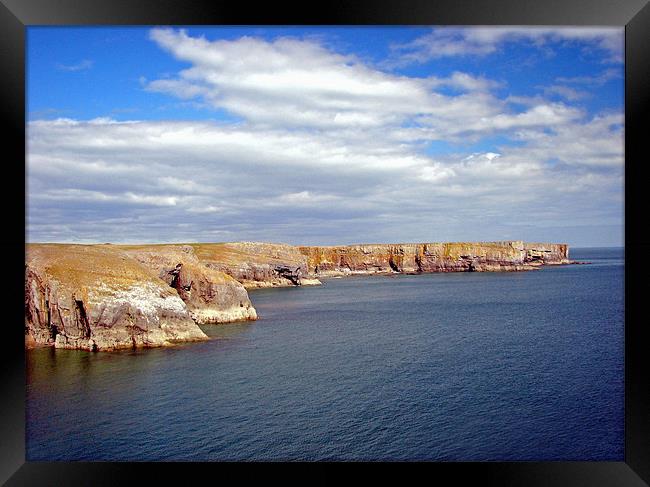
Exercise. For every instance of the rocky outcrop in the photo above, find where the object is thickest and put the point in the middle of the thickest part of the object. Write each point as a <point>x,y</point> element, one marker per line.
<point>432,257</point>
<point>547,254</point>
<point>257,264</point>
<point>97,298</point>
<point>211,296</point>
<point>107,297</point>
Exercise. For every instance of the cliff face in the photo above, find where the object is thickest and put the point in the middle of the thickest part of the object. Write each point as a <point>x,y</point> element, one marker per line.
<point>547,254</point>
<point>257,264</point>
<point>432,257</point>
<point>91,298</point>
<point>106,297</point>
<point>211,296</point>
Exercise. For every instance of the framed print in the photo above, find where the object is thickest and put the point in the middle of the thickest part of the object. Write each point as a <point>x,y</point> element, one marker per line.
<point>356,234</point>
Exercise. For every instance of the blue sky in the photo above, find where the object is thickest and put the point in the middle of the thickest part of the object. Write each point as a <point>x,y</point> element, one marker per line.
<point>325,135</point>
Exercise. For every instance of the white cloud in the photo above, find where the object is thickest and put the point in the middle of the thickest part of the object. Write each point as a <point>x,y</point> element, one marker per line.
<point>464,81</point>
<point>481,41</point>
<point>80,66</point>
<point>179,88</point>
<point>84,195</point>
<point>436,173</point>
<point>304,199</point>
<point>203,209</point>
<point>597,80</point>
<point>566,92</point>
<point>597,143</point>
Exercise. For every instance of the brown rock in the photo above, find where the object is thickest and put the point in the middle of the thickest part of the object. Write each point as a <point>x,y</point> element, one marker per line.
<point>210,295</point>
<point>105,297</point>
<point>256,264</point>
<point>432,257</point>
<point>94,297</point>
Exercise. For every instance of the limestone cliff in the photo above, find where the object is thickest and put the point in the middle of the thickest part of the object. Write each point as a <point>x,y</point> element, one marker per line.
<point>257,264</point>
<point>432,257</point>
<point>106,297</point>
<point>94,298</point>
<point>210,295</point>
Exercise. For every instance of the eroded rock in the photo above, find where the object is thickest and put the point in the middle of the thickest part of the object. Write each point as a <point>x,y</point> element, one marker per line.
<point>106,297</point>
<point>211,296</point>
<point>257,264</point>
<point>432,257</point>
<point>97,298</point>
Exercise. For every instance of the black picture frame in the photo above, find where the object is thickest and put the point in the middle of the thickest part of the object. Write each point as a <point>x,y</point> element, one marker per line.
<point>15,15</point>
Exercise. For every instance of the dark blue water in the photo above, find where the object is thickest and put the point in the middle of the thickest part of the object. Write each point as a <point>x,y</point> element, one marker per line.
<point>467,366</point>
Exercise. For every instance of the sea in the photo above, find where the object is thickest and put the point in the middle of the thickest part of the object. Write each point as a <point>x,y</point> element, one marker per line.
<point>523,366</point>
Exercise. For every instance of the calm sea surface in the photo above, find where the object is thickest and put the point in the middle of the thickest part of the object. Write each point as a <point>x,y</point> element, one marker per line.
<point>467,366</point>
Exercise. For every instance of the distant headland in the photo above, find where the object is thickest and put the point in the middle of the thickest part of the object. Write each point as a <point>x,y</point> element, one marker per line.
<point>104,297</point>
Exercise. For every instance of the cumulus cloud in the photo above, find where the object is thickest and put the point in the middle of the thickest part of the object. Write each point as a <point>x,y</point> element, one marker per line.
<point>293,83</point>
<point>286,81</point>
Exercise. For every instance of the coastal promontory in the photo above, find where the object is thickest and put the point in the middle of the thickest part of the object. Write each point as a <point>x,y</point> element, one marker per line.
<point>106,297</point>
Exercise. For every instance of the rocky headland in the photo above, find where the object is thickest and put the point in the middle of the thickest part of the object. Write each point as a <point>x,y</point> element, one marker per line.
<point>257,264</point>
<point>109,297</point>
<point>433,257</point>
